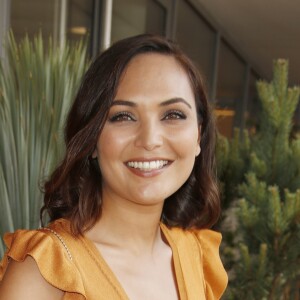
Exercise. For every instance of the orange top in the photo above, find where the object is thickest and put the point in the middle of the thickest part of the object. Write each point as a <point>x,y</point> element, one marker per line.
<point>74,265</point>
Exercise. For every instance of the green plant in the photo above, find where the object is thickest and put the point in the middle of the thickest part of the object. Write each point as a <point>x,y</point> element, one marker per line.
<point>37,86</point>
<point>264,171</point>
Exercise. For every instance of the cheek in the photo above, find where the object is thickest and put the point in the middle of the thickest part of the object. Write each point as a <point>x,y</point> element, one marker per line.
<point>110,141</point>
<point>111,146</point>
<point>186,142</point>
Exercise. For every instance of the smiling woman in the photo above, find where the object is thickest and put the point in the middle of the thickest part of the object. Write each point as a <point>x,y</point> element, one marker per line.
<point>147,148</point>
<point>131,203</point>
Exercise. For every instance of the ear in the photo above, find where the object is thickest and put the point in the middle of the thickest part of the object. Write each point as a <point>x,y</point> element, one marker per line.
<point>198,150</point>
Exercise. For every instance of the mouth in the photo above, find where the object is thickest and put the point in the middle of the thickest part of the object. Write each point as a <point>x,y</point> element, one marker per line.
<point>147,166</point>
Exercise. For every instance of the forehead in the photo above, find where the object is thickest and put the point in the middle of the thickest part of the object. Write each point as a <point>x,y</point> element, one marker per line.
<point>154,62</point>
<point>157,75</point>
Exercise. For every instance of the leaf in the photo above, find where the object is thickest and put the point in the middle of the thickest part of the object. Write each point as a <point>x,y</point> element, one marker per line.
<point>37,87</point>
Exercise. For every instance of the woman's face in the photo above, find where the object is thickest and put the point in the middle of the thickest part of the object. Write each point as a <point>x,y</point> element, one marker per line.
<point>148,145</point>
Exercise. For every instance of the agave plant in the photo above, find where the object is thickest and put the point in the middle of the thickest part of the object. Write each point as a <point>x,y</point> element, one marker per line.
<point>37,86</point>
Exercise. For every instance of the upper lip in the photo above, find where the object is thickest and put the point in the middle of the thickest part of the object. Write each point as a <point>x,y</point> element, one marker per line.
<point>143,159</point>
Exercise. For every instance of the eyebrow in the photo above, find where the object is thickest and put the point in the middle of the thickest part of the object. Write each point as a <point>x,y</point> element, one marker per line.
<point>124,102</point>
<point>175,100</point>
<point>164,103</point>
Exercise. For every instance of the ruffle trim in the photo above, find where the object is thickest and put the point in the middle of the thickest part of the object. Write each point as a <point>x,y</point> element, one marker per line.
<point>51,257</point>
<point>215,276</point>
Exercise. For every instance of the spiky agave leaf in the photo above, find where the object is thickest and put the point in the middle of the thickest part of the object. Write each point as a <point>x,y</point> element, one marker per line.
<point>37,86</point>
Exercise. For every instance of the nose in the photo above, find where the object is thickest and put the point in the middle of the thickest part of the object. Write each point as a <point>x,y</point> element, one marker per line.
<point>149,135</point>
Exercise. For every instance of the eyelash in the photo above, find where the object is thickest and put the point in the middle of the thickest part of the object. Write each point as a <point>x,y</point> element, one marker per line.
<point>126,116</point>
<point>179,115</point>
<point>122,116</point>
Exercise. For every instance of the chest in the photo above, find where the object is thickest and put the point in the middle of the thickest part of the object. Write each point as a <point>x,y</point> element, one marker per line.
<point>145,277</point>
<point>179,276</point>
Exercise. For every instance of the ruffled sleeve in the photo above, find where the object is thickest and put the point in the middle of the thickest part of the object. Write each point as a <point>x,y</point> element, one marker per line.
<point>215,276</point>
<point>52,258</point>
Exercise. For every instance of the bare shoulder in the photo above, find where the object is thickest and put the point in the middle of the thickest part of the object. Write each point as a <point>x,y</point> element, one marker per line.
<point>23,280</point>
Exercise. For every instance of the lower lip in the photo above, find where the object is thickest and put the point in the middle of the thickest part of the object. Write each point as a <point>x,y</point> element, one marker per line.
<point>147,174</point>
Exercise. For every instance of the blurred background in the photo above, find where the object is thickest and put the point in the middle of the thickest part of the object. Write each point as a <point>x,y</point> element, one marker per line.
<point>248,52</point>
<point>233,42</point>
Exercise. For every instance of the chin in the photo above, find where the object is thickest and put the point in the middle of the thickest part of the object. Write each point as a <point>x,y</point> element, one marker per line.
<point>152,198</point>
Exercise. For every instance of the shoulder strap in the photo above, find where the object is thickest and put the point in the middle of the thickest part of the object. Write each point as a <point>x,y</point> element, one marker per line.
<point>60,239</point>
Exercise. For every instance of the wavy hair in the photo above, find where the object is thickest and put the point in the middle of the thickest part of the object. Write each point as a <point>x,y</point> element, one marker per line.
<point>74,189</point>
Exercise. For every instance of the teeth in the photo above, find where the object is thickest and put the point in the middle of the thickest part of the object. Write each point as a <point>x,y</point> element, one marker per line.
<point>147,165</point>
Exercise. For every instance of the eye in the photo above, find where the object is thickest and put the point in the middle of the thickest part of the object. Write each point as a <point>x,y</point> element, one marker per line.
<point>174,115</point>
<point>122,117</point>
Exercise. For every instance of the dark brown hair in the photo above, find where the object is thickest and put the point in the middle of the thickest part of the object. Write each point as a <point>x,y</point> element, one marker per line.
<point>74,189</point>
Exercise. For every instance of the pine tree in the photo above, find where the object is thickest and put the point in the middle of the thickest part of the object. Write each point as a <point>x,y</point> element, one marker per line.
<point>264,170</point>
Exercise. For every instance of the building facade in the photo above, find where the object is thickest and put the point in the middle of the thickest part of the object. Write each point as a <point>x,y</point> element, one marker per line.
<point>230,76</point>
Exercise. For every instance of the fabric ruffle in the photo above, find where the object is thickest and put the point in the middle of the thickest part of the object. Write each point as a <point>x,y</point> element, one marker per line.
<point>52,258</point>
<point>214,273</point>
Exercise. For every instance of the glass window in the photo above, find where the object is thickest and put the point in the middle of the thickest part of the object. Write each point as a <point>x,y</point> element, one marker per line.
<point>231,77</point>
<point>230,88</point>
<point>253,103</point>
<point>297,119</point>
<point>156,18</point>
<point>132,17</point>
<point>31,16</point>
<point>196,37</point>
<point>80,16</point>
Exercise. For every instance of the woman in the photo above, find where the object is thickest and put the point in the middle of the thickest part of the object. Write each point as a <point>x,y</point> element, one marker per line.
<point>131,202</point>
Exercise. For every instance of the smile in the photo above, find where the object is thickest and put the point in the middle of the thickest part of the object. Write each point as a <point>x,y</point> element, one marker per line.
<point>147,165</point>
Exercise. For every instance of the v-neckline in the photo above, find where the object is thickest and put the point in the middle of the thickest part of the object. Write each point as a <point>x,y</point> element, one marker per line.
<point>103,266</point>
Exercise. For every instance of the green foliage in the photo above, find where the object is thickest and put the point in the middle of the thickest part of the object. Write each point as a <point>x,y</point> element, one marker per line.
<point>251,266</point>
<point>270,230</point>
<point>272,144</point>
<point>37,86</point>
<point>232,161</point>
<point>264,170</point>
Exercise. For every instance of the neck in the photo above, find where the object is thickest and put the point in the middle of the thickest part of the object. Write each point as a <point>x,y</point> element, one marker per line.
<point>128,225</point>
